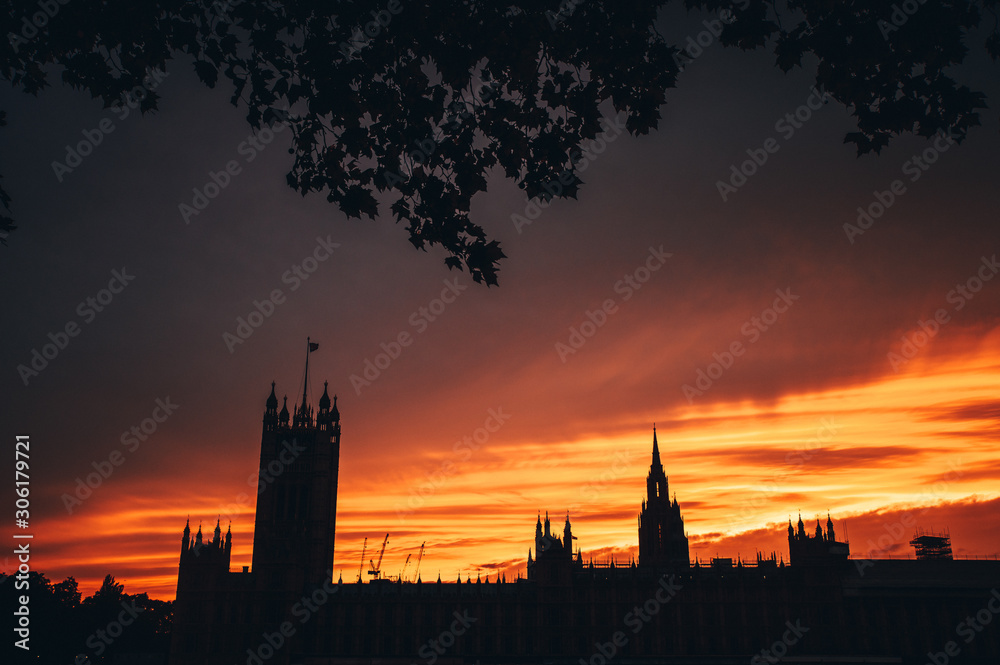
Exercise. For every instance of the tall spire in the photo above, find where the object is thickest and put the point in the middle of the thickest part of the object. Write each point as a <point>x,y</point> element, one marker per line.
<point>656,480</point>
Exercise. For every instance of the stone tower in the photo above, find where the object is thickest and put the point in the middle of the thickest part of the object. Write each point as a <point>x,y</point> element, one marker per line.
<point>662,542</point>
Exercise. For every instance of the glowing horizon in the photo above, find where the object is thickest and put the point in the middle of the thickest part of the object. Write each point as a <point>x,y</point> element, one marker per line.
<point>812,452</point>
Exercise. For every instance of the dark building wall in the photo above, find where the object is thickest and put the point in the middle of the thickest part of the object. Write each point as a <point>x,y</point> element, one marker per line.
<point>735,613</point>
<point>822,606</point>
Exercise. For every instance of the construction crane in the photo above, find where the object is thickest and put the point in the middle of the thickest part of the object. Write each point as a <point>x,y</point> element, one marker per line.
<point>402,575</point>
<point>376,567</point>
<point>362,566</point>
<point>416,574</point>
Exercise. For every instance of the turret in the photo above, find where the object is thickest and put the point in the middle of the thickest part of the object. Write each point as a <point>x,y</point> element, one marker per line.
<point>829,529</point>
<point>328,417</point>
<point>271,411</point>
<point>324,401</point>
<point>186,541</point>
<point>283,416</point>
<point>567,536</point>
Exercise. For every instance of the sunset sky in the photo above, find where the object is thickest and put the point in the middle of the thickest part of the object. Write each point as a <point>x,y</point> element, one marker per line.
<point>824,409</point>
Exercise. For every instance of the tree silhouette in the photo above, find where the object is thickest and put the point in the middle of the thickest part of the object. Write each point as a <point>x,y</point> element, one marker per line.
<point>63,627</point>
<point>412,104</point>
<point>109,595</point>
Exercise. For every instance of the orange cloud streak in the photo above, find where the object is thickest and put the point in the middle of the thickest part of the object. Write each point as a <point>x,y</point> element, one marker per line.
<point>921,443</point>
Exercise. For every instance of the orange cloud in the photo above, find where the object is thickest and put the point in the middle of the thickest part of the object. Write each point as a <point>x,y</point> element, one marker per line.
<point>921,443</point>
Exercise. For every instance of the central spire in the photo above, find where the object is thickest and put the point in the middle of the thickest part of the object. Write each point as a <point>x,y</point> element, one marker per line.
<point>656,481</point>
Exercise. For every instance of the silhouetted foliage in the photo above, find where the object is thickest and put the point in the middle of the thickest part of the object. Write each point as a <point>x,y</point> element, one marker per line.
<point>63,627</point>
<point>887,65</point>
<point>417,102</point>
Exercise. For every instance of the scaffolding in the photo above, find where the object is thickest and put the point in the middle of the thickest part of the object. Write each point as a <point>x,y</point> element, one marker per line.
<point>930,545</point>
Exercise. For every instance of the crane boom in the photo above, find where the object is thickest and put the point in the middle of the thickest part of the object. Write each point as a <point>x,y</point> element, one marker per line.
<point>406,563</point>
<point>416,574</point>
<point>376,567</point>
<point>362,566</point>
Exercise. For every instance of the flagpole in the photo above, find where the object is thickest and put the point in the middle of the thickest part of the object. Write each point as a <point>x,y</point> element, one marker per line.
<point>305,384</point>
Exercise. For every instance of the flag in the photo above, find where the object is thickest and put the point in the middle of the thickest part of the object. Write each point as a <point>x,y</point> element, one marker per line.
<point>313,346</point>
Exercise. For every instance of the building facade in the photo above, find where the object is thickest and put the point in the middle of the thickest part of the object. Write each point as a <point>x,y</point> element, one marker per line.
<point>820,608</point>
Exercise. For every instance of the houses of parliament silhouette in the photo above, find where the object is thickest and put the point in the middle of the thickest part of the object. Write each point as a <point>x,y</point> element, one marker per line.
<point>820,607</point>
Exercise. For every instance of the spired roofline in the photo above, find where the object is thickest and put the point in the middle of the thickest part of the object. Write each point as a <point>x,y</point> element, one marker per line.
<point>302,416</point>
